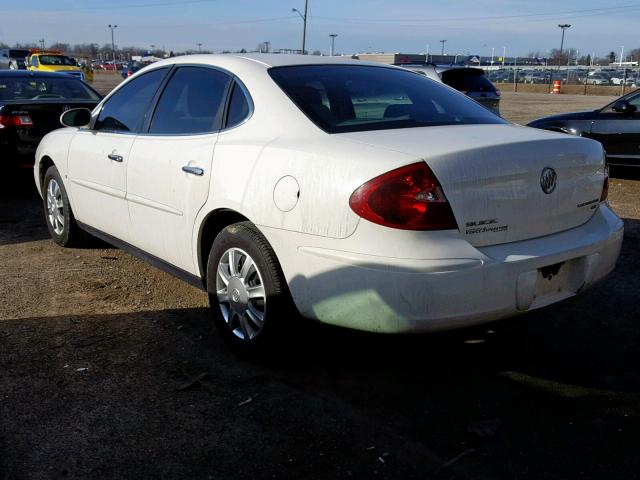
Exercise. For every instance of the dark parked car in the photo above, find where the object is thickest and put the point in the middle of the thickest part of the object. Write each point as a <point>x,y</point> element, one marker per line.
<point>13,58</point>
<point>616,126</point>
<point>30,107</point>
<point>468,80</point>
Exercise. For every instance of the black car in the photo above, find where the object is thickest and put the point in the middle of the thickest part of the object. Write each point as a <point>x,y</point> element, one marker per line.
<point>471,81</point>
<point>30,107</point>
<point>616,126</point>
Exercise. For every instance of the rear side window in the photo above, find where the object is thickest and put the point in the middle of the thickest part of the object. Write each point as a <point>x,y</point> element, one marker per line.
<point>467,80</point>
<point>192,102</point>
<point>238,107</point>
<point>352,98</point>
<point>125,110</point>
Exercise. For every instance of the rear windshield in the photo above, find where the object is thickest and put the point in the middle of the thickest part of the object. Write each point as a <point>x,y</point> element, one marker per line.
<point>354,98</point>
<point>57,60</point>
<point>467,80</point>
<point>19,54</point>
<point>30,88</point>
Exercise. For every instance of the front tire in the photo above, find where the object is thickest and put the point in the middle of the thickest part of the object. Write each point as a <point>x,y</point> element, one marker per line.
<point>58,214</point>
<point>249,299</point>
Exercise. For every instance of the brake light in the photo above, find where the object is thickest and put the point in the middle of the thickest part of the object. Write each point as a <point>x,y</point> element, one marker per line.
<point>605,186</point>
<point>15,121</point>
<point>408,198</point>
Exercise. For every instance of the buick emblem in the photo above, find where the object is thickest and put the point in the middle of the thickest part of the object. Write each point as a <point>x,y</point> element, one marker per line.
<point>548,180</point>
<point>65,108</point>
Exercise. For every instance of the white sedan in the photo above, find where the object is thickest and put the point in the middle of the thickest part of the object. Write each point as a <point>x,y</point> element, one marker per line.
<point>352,193</point>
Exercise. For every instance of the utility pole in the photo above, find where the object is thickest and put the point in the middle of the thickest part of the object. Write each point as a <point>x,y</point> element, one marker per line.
<point>113,44</point>
<point>333,42</point>
<point>442,42</point>
<point>564,26</point>
<point>304,20</point>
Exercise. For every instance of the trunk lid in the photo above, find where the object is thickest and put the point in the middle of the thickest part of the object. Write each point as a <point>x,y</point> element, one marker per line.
<point>493,177</point>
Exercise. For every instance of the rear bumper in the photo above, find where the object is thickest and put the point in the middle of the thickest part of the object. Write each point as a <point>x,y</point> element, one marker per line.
<point>393,295</point>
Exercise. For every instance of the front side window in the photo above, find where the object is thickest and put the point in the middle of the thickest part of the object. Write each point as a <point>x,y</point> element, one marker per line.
<point>191,103</point>
<point>352,98</point>
<point>125,110</point>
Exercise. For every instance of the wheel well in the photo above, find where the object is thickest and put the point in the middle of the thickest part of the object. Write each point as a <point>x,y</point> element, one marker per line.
<point>215,222</point>
<point>45,163</point>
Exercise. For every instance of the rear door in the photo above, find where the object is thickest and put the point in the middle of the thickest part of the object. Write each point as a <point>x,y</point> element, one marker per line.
<point>169,172</point>
<point>619,133</point>
<point>99,155</point>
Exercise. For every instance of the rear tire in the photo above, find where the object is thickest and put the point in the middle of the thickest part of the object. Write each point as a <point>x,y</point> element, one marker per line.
<point>61,223</point>
<point>248,294</point>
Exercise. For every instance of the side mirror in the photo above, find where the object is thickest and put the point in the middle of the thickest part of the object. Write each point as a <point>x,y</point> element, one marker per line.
<point>623,106</point>
<point>76,117</point>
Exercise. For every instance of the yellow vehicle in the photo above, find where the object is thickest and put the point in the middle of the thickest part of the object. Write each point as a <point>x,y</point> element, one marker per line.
<point>54,61</point>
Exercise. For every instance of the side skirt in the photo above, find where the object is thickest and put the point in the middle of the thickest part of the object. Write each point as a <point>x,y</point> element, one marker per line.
<point>191,279</point>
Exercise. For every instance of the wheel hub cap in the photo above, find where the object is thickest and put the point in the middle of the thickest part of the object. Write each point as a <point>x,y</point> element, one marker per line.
<point>55,207</point>
<point>241,293</point>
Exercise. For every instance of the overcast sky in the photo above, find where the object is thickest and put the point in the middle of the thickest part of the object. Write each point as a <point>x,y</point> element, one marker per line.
<point>470,26</point>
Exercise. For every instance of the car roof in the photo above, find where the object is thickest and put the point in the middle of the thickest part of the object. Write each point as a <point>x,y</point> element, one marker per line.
<point>30,73</point>
<point>266,60</point>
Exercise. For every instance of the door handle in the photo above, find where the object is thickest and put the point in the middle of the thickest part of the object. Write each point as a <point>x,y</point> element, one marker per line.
<point>193,170</point>
<point>115,158</point>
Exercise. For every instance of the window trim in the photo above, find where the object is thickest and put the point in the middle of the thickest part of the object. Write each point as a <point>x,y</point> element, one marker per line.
<point>233,79</point>
<point>96,113</point>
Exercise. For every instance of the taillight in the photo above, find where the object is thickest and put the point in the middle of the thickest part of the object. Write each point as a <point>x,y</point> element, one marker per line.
<point>15,121</point>
<point>605,186</point>
<point>408,198</point>
<point>498,93</point>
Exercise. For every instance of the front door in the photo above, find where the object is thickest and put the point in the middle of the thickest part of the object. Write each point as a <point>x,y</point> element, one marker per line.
<point>99,155</point>
<point>169,172</point>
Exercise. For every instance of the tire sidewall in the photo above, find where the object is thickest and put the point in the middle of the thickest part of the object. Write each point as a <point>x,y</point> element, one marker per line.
<point>64,237</point>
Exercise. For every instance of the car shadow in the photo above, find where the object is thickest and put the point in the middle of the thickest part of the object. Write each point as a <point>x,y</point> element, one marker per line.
<point>22,217</point>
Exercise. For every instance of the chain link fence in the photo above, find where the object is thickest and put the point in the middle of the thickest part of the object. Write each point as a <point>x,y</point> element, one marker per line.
<point>578,80</point>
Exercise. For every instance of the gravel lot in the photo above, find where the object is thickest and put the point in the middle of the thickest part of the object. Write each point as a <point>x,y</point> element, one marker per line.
<point>110,369</point>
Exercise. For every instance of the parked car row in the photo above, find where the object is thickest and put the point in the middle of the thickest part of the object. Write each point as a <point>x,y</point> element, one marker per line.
<point>580,76</point>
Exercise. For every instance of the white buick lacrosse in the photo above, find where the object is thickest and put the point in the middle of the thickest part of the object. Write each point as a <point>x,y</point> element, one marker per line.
<point>355,194</point>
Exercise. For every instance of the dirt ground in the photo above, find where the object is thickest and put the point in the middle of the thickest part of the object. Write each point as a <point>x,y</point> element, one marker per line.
<point>111,369</point>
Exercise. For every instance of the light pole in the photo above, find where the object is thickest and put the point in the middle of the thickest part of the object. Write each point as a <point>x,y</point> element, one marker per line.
<point>199,47</point>
<point>113,44</point>
<point>621,55</point>
<point>267,46</point>
<point>41,43</point>
<point>563,26</point>
<point>304,20</point>
<point>427,54</point>
<point>442,42</point>
<point>333,42</point>
<point>504,55</point>
<point>492,53</point>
